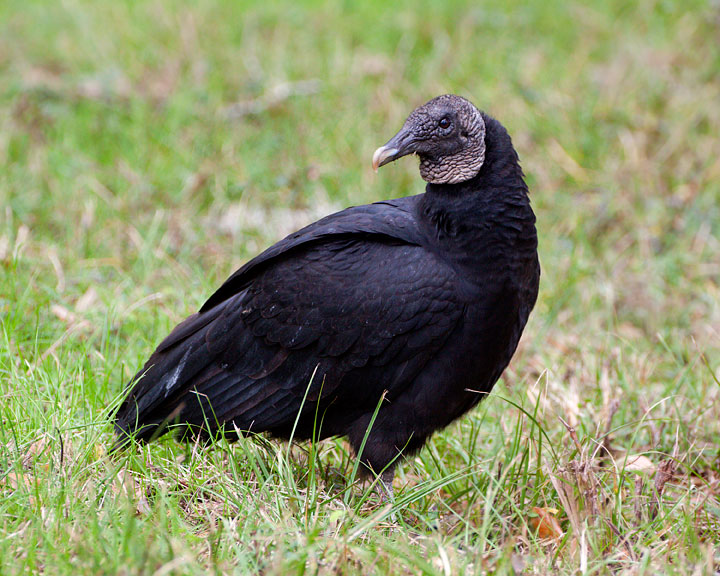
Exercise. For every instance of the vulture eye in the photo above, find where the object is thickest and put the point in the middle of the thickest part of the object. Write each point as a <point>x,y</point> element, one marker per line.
<point>444,122</point>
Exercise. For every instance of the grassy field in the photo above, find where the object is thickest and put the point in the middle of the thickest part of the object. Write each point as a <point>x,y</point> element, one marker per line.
<point>147,149</point>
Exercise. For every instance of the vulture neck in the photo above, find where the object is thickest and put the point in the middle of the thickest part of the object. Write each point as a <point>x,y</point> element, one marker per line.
<point>487,219</point>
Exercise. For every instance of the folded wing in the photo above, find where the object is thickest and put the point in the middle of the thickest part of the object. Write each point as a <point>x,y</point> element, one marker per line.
<point>354,299</point>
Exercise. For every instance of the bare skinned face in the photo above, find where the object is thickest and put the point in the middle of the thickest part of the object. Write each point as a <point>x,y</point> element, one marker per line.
<point>447,133</point>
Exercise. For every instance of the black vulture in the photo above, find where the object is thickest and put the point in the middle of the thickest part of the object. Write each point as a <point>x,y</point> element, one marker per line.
<point>403,312</point>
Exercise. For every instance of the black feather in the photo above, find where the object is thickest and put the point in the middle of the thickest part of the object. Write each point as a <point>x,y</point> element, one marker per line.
<point>422,298</point>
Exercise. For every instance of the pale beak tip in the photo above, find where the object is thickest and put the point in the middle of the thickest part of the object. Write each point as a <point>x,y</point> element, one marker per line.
<point>383,155</point>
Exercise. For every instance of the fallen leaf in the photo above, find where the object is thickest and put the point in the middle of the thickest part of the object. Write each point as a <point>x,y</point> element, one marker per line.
<point>639,463</point>
<point>19,481</point>
<point>85,301</point>
<point>545,523</point>
<point>35,450</point>
<point>63,313</point>
<point>125,484</point>
<point>13,480</point>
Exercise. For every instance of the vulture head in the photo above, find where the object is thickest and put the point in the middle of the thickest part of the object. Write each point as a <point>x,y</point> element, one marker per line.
<point>447,133</point>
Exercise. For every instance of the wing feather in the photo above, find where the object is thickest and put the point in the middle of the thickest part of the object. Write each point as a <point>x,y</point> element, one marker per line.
<point>365,311</point>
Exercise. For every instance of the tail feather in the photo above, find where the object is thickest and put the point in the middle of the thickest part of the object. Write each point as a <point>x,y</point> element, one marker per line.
<point>203,386</point>
<point>156,391</point>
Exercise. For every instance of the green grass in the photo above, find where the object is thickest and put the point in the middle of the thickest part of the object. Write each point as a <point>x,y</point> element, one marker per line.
<point>147,149</point>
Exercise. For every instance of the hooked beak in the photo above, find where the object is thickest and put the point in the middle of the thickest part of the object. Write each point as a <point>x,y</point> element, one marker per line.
<point>398,146</point>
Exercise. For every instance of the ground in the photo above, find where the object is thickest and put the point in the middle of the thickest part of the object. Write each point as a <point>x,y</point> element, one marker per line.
<point>147,149</point>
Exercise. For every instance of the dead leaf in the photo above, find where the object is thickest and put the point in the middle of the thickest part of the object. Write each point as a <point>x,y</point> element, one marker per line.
<point>125,484</point>
<point>15,481</point>
<point>4,248</point>
<point>86,300</point>
<point>639,463</point>
<point>63,313</point>
<point>34,451</point>
<point>21,239</point>
<point>545,523</point>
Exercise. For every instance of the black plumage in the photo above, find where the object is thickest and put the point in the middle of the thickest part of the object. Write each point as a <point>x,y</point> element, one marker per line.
<point>422,298</point>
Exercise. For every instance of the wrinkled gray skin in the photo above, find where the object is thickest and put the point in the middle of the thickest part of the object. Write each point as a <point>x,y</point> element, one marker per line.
<point>447,133</point>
